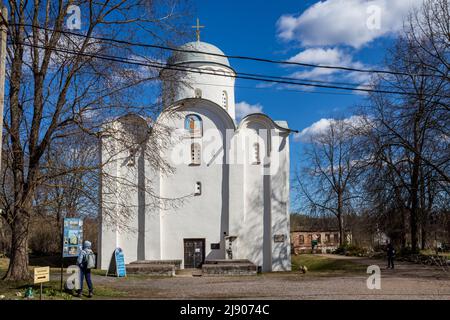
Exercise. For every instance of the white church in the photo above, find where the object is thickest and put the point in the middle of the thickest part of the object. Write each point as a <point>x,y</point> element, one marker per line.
<point>229,178</point>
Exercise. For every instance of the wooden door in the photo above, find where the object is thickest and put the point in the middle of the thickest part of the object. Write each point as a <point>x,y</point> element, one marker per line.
<point>194,253</point>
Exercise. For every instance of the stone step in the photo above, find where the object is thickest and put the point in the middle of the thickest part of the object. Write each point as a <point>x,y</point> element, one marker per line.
<point>228,261</point>
<point>176,263</point>
<point>229,269</point>
<point>151,269</point>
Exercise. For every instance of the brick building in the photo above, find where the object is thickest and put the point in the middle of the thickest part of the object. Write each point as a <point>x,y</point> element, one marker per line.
<point>325,241</point>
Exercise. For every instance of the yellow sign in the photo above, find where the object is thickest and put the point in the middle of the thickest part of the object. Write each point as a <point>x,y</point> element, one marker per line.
<point>41,275</point>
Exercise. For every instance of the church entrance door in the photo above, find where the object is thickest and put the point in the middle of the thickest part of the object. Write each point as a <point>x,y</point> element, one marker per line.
<point>194,253</point>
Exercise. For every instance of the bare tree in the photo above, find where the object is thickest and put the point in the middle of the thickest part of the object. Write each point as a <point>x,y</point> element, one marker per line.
<point>409,137</point>
<point>328,183</point>
<point>61,84</point>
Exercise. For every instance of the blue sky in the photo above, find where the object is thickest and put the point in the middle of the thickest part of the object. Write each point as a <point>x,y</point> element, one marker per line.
<point>353,33</point>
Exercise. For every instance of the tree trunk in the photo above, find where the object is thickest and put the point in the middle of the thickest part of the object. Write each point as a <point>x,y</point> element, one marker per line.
<point>403,231</point>
<point>414,211</point>
<point>424,237</point>
<point>18,265</point>
<point>340,220</point>
<point>341,230</point>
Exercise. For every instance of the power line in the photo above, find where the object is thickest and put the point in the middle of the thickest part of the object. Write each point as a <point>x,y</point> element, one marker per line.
<point>241,73</point>
<point>201,71</point>
<point>154,46</point>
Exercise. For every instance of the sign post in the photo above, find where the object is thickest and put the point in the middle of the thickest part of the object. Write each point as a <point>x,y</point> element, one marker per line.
<point>72,239</point>
<point>41,275</point>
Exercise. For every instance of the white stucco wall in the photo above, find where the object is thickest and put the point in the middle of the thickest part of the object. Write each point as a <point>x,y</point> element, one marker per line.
<point>239,198</point>
<point>215,79</point>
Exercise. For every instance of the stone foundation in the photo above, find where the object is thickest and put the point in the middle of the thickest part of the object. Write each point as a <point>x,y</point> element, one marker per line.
<point>165,268</point>
<point>228,268</point>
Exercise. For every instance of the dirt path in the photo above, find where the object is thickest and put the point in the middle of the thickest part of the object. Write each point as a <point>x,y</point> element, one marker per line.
<point>402,269</point>
<point>407,281</point>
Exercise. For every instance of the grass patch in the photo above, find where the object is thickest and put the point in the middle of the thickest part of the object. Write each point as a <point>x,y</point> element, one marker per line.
<point>51,290</point>
<point>320,264</point>
<point>4,262</point>
<point>431,252</point>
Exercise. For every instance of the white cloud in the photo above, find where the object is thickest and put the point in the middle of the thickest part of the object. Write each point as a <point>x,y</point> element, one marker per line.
<point>243,108</point>
<point>321,126</point>
<point>329,56</point>
<point>321,56</point>
<point>345,22</point>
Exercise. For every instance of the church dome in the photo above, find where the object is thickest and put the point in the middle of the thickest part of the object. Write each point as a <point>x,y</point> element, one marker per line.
<point>202,48</point>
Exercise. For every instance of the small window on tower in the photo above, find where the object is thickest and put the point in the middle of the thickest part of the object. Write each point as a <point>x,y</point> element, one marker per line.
<point>225,100</point>
<point>255,156</point>
<point>131,157</point>
<point>195,154</point>
<point>198,93</point>
<point>198,188</point>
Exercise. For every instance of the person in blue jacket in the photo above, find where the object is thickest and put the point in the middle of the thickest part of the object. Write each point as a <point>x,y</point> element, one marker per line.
<point>85,261</point>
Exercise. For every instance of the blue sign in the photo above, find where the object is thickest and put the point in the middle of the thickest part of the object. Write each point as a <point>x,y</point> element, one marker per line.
<point>72,237</point>
<point>121,270</point>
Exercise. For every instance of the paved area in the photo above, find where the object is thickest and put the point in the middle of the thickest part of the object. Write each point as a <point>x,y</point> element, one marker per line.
<point>407,281</point>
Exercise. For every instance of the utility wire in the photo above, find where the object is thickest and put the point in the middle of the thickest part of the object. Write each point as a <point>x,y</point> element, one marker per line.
<point>201,71</point>
<point>154,46</point>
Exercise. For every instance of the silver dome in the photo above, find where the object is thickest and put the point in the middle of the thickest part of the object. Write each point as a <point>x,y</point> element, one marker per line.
<point>180,57</point>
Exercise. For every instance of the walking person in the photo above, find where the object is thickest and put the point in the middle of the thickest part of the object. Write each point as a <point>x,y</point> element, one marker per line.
<point>86,262</point>
<point>390,255</point>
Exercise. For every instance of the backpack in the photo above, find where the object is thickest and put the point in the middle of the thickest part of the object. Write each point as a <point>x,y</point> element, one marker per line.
<point>90,260</point>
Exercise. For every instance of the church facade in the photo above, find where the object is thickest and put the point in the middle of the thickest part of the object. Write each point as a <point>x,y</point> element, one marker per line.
<point>226,195</point>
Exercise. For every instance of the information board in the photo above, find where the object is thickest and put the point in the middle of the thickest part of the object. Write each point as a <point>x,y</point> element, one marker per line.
<point>121,270</point>
<point>73,237</point>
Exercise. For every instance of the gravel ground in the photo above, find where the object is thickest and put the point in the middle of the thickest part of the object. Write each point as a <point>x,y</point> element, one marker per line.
<point>407,281</point>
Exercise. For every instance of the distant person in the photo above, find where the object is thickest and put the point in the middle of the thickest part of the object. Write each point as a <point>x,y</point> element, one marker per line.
<point>390,255</point>
<point>86,262</point>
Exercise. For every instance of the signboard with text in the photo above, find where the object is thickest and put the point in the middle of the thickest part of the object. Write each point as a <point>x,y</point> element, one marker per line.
<point>41,275</point>
<point>121,270</point>
<point>72,237</point>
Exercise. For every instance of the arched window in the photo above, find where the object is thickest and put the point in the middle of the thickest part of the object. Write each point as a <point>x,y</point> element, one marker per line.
<point>225,100</point>
<point>195,154</point>
<point>197,93</point>
<point>256,154</point>
<point>193,125</point>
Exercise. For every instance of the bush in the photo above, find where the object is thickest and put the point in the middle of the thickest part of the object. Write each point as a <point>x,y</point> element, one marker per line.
<point>351,250</point>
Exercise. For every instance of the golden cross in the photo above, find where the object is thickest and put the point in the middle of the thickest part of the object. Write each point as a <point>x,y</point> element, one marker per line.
<point>198,26</point>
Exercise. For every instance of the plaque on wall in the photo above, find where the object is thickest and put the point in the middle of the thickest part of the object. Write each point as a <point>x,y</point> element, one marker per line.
<point>215,246</point>
<point>278,238</point>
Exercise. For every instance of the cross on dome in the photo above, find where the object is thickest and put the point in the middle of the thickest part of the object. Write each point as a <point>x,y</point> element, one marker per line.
<point>198,26</point>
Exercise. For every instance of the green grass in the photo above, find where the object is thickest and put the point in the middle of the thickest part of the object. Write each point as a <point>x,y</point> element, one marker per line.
<point>51,290</point>
<point>319,264</point>
<point>431,252</point>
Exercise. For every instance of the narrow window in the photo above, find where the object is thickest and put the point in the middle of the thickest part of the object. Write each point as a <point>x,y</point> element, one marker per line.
<point>131,157</point>
<point>198,188</point>
<point>195,154</point>
<point>225,100</point>
<point>193,125</point>
<point>255,156</point>
<point>301,239</point>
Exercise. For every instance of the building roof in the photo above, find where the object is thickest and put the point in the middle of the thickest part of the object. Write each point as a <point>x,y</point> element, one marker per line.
<point>318,230</point>
<point>198,51</point>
